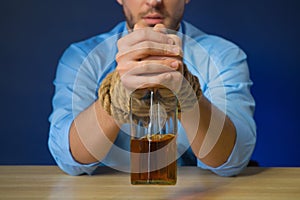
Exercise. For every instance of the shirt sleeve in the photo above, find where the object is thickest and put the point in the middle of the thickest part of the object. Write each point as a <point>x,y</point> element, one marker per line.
<point>231,77</point>
<point>74,92</point>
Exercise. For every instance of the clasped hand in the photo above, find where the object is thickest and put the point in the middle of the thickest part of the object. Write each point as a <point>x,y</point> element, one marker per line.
<point>150,58</point>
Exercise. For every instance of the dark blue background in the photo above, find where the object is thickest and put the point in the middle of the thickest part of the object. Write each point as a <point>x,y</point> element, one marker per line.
<point>35,33</point>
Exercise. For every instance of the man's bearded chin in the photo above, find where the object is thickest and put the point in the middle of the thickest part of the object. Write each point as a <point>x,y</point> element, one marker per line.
<point>131,23</point>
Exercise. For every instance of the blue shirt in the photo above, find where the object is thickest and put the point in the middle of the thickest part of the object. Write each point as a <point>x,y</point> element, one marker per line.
<point>220,66</point>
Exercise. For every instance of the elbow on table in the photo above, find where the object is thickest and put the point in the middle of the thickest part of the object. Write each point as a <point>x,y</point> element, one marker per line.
<point>68,165</point>
<point>228,172</point>
<point>71,170</point>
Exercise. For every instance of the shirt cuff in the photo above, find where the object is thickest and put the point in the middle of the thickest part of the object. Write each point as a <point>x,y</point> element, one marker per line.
<point>59,146</point>
<point>239,157</point>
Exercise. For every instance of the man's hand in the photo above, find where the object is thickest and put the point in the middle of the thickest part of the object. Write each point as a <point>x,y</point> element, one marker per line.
<point>150,58</point>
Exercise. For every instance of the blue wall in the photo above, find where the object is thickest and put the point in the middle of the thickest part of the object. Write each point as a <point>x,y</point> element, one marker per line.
<point>34,34</point>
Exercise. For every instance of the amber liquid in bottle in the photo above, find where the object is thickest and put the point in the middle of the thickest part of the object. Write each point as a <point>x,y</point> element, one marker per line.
<point>154,161</point>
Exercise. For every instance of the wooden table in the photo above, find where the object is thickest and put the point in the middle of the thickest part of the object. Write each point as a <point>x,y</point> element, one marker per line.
<point>48,182</point>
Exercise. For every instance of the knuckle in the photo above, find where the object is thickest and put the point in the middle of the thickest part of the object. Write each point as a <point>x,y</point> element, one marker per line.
<point>145,46</point>
<point>123,68</point>
<point>148,45</point>
<point>118,57</point>
<point>143,34</point>
<point>140,34</point>
<point>120,42</point>
<point>146,66</point>
<point>166,49</point>
<point>176,39</point>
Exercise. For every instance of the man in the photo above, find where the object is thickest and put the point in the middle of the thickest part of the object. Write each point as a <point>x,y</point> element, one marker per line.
<point>218,130</point>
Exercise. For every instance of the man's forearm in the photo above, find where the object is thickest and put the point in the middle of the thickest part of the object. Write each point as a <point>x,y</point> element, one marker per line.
<point>92,134</point>
<point>214,129</point>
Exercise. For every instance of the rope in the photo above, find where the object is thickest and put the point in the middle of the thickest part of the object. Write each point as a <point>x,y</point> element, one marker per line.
<point>116,100</point>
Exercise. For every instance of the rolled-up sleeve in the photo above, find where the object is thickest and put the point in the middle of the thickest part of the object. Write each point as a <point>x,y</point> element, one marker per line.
<point>238,104</point>
<point>64,113</point>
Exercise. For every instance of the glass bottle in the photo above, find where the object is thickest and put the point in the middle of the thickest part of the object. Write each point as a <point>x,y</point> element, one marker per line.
<point>153,115</point>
